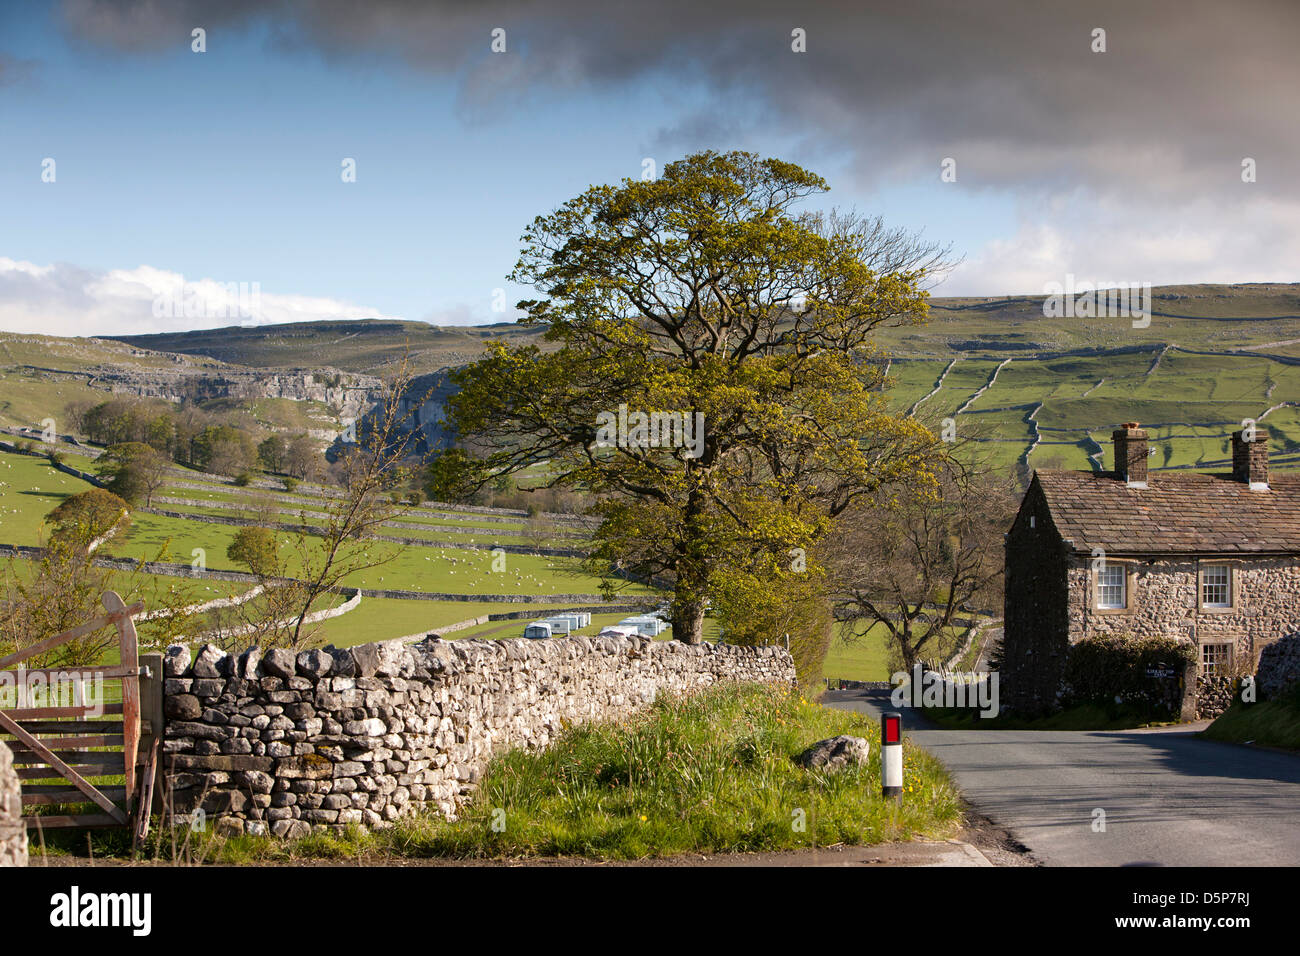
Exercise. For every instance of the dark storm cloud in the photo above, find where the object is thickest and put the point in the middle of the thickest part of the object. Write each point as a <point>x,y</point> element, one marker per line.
<point>1011,90</point>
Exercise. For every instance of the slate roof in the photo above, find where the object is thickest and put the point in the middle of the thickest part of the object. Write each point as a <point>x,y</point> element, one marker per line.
<point>1178,513</point>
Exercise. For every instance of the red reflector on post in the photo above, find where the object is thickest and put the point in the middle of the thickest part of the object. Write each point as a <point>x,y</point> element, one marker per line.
<point>893,726</point>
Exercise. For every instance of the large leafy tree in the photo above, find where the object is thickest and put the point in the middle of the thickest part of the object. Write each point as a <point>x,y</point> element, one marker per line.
<point>134,471</point>
<point>706,293</point>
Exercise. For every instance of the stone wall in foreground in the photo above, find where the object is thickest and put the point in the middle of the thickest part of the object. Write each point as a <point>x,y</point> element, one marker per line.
<point>282,743</point>
<point>13,832</point>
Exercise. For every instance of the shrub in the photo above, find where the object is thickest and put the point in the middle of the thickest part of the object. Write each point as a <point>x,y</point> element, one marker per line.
<point>91,514</point>
<point>290,484</point>
<point>255,548</point>
<point>1115,669</point>
<point>242,480</point>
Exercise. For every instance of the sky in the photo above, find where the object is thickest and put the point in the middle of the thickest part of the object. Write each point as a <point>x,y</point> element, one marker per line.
<point>136,171</point>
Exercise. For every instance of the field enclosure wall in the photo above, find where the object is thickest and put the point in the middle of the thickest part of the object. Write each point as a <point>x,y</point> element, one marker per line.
<point>282,743</point>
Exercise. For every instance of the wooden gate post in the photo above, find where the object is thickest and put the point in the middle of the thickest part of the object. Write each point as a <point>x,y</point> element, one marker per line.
<point>130,659</point>
<point>151,710</point>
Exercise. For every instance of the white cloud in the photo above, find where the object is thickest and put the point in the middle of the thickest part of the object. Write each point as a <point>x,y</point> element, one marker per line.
<point>65,299</point>
<point>1095,239</point>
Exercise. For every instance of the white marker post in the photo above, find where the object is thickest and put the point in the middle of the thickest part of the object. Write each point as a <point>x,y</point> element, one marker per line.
<point>891,755</point>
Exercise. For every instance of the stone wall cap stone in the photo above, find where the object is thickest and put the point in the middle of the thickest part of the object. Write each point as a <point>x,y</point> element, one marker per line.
<point>314,664</point>
<point>176,661</point>
<point>247,666</point>
<point>212,662</point>
<point>281,663</point>
<point>383,659</point>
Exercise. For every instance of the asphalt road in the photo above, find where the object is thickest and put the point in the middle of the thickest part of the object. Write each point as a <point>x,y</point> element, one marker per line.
<point>1169,798</point>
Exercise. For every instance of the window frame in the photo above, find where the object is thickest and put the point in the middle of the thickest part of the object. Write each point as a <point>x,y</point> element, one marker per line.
<point>1221,667</point>
<point>1095,585</point>
<point>1232,588</point>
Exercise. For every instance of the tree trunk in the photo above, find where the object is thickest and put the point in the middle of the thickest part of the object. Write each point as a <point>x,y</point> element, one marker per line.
<point>910,655</point>
<point>688,621</point>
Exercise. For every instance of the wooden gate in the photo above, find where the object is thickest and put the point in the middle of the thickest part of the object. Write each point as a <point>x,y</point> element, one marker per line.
<point>85,753</point>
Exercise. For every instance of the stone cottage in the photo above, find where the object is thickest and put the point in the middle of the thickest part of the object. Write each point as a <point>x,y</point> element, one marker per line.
<point>1211,559</point>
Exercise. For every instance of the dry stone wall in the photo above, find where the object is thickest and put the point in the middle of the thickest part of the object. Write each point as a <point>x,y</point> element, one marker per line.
<point>1214,695</point>
<point>13,832</point>
<point>283,743</point>
<point>1279,667</point>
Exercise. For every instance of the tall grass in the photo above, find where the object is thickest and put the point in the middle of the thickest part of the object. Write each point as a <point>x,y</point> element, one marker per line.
<point>709,772</point>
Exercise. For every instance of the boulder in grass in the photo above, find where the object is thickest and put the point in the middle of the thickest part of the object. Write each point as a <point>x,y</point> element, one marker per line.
<point>835,753</point>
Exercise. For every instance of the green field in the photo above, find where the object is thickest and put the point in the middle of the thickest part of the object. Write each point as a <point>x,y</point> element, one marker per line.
<point>1189,403</point>
<point>867,657</point>
<point>29,489</point>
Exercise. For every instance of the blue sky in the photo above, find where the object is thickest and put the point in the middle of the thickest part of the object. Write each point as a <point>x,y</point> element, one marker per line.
<point>225,165</point>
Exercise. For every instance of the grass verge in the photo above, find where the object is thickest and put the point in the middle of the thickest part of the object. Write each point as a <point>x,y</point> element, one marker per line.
<point>1269,723</point>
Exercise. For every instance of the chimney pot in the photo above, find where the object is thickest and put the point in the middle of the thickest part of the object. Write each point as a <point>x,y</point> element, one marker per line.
<point>1250,458</point>
<point>1131,454</point>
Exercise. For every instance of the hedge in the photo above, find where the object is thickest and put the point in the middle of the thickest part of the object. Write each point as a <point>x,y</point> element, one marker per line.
<point>1127,670</point>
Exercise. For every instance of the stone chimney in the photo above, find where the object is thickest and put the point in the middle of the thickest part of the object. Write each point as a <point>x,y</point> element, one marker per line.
<point>1250,457</point>
<point>1131,454</point>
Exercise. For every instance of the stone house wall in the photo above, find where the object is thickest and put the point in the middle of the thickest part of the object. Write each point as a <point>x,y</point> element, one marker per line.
<point>281,743</point>
<point>1165,602</point>
<point>13,832</point>
<point>1035,635</point>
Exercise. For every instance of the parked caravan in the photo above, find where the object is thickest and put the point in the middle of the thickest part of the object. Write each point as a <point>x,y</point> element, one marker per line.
<point>618,630</point>
<point>536,630</point>
<point>645,624</point>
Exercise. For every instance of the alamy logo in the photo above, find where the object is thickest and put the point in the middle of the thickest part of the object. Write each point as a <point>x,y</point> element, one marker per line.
<point>76,909</point>
<point>651,430</point>
<point>210,300</point>
<point>1098,300</point>
<point>951,689</point>
<point>21,689</point>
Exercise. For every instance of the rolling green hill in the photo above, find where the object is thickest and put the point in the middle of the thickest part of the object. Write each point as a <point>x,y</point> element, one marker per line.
<point>1212,356</point>
<point>368,345</point>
